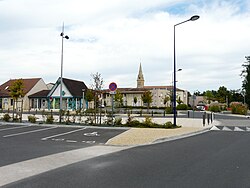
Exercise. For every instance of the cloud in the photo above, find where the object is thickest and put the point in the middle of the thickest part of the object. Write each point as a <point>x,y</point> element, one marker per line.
<point>112,37</point>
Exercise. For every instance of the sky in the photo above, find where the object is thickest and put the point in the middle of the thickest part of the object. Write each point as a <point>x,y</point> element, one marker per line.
<point>112,37</point>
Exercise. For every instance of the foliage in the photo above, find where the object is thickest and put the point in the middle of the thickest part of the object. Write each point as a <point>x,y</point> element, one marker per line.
<point>179,101</point>
<point>246,76</point>
<point>166,99</point>
<point>16,89</point>
<point>118,121</point>
<point>169,110</point>
<point>147,97</point>
<point>214,108</point>
<point>49,119</point>
<point>89,96</point>
<point>118,98</point>
<point>32,118</point>
<point>135,100</point>
<point>238,108</point>
<point>182,107</point>
<point>6,117</point>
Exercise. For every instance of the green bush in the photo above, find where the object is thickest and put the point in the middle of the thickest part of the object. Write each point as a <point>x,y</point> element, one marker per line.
<point>169,110</point>
<point>239,109</point>
<point>118,121</point>
<point>50,119</point>
<point>6,117</point>
<point>182,107</point>
<point>133,123</point>
<point>214,108</point>
<point>32,119</point>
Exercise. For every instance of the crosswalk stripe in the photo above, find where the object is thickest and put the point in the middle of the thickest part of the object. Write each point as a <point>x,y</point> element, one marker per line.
<point>230,128</point>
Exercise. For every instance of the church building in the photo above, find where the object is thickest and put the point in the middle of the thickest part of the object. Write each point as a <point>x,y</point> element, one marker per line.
<point>132,96</point>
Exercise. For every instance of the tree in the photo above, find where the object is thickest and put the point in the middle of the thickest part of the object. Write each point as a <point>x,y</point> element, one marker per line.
<point>147,98</point>
<point>246,76</point>
<point>209,95</point>
<point>222,94</point>
<point>16,91</point>
<point>166,99</point>
<point>97,85</point>
<point>135,100</point>
<point>89,96</point>
<point>179,101</point>
<point>119,98</point>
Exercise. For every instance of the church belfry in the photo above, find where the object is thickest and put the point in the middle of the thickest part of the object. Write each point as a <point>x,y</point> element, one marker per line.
<point>140,78</point>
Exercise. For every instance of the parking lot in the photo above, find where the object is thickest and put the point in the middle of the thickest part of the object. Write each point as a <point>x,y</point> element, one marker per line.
<point>23,142</point>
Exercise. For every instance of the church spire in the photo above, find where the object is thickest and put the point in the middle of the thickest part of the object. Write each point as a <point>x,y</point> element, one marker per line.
<point>140,78</point>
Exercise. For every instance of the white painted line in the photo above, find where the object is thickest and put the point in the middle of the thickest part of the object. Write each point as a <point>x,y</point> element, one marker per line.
<point>91,134</point>
<point>27,132</point>
<point>46,138</point>
<point>18,171</point>
<point>57,139</point>
<point>15,128</point>
<point>71,141</point>
<point>90,142</point>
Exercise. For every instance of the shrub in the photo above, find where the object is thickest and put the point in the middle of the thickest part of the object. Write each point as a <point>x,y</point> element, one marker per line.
<point>239,109</point>
<point>214,108</point>
<point>50,119</point>
<point>118,121</point>
<point>32,119</point>
<point>6,117</point>
<point>169,110</point>
<point>182,107</point>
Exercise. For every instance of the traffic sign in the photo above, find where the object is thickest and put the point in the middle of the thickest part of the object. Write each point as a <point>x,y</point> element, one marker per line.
<point>112,86</point>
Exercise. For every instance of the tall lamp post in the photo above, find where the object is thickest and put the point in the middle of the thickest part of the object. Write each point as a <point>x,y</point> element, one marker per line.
<point>172,83</point>
<point>61,77</point>
<point>193,18</point>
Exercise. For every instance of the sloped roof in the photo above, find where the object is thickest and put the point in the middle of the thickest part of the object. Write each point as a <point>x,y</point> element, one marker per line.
<point>28,85</point>
<point>75,87</point>
<point>40,94</point>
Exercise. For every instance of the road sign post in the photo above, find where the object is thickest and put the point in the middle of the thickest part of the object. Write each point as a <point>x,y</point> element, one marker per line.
<point>112,91</point>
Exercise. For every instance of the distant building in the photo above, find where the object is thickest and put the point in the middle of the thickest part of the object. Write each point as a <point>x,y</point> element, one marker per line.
<point>31,86</point>
<point>72,95</point>
<point>159,94</point>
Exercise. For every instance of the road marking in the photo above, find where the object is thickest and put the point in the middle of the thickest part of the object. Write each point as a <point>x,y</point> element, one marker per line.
<point>14,128</point>
<point>46,138</point>
<point>27,132</point>
<point>18,171</point>
<point>71,141</point>
<point>91,134</point>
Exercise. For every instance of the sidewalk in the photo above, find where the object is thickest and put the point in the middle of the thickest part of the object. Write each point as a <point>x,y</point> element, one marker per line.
<point>141,136</point>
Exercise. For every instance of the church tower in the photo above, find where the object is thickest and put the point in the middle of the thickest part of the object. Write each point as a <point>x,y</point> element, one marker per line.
<point>140,78</point>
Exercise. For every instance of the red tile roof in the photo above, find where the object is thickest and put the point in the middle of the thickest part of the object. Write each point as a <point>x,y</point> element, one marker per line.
<point>28,85</point>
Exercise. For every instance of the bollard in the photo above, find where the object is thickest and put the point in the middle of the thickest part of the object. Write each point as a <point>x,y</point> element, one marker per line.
<point>211,118</point>
<point>188,113</point>
<point>204,119</point>
<point>208,118</point>
<point>152,113</point>
<point>164,114</point>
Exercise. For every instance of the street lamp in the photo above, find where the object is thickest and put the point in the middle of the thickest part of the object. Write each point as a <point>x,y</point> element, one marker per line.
<point>61,77</point>
<point>193,18</point>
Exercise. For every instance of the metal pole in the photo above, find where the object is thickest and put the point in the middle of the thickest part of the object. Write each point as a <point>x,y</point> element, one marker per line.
<point>174,89</point>
<point>112,109</point>
<point>60,115</point>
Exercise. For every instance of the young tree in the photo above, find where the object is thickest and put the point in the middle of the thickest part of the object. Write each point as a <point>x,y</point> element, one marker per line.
<point>89,96</point>
<point>147,98</point>
<point>246,82</point>
<point>135,100</point>
<point>16,91</point>
<point>97,85</point>
<point>209,95</point>
<point>179,101</point>
<point>166,99</point>
<point>119,98</point>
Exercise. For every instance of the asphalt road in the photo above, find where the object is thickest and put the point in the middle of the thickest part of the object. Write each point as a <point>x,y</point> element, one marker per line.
<point>22,142</point>
<point>212,159</point>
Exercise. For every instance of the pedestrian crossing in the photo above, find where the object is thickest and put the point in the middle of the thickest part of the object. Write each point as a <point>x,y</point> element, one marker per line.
<point>230,128</point>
